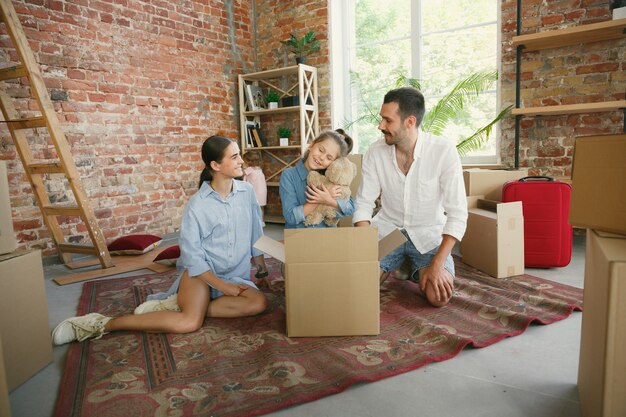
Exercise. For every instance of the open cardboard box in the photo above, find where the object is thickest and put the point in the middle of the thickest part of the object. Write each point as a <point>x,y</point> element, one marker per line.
<point>332,278</point>
<point>494,238</point>
<point>602,365</point>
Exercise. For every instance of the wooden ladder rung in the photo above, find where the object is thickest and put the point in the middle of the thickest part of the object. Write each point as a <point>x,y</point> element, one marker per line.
<point>46,168</point>
<point>62,210</point>
<point>27,122</point>
<point>75,248</point>
<point>10,73</point>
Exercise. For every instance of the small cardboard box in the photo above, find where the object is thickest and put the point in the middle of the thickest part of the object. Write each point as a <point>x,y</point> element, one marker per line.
<point>599,183</point>
<point>332,279</point>
<point>488,182</point>
<point>357,159</point>
<point>602,365</point>
<point>7,235</point>
<point>494,238</point>
<point>23,316</point>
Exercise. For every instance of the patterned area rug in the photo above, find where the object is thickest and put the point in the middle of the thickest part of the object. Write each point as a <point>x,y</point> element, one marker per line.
<point>248,367</point>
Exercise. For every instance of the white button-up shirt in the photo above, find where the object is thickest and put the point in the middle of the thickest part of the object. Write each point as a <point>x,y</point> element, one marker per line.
<point>428,202</point>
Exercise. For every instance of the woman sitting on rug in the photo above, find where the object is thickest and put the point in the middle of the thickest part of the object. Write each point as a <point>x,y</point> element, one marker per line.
<point>220,224</point>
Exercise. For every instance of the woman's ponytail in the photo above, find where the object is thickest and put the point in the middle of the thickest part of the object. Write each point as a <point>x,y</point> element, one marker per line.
<point>205,175</point>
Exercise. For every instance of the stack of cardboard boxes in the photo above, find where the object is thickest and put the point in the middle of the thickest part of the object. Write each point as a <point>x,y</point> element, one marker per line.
<point>599,204</point>
<point>25,344</point>
<point>494,239</point>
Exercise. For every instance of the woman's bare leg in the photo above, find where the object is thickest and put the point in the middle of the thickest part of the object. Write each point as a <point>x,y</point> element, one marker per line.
<point>193,299</point>
<point>248,303</point>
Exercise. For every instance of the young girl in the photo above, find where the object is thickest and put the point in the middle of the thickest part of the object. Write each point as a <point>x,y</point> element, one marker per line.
<point>297,198</point>
<point>220,224</point>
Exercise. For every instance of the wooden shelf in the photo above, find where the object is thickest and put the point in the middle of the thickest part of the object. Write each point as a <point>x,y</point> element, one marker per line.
<point>570,108</point>
<point>595,32</point>
<point>278,72</point>
<point>271,111</point>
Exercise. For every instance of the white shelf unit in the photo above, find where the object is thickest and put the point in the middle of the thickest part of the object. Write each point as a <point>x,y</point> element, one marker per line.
<point>298,80</point>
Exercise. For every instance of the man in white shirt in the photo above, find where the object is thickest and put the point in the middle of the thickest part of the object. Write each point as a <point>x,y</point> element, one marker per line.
<point>420,181</point>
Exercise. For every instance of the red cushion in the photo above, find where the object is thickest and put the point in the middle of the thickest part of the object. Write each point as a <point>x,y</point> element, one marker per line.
<point>168,256</point>
<point>133,244</point>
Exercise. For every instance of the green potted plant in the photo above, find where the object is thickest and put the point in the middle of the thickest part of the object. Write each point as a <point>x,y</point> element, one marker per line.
<point>303,46</point>
<point>284,133</point>
<point>272,98</point>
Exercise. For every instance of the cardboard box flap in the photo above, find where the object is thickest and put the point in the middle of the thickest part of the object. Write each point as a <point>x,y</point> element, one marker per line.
<point>389,243</point>
<point>613,246</point>
<point>331,244</point>
<point>272,247</point>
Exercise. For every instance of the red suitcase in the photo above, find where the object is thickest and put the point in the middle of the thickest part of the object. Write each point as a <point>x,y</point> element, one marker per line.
<point>547,232</point>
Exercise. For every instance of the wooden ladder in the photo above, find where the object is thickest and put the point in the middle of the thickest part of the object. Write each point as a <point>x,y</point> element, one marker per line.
<point>36,170</point>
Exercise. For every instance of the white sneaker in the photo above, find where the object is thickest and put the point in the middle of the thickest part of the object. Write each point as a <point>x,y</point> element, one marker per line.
<point>80,328</point>
<point>169,304</point>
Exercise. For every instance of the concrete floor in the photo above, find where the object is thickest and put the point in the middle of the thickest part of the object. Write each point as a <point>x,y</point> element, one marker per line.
<point>533,374</point>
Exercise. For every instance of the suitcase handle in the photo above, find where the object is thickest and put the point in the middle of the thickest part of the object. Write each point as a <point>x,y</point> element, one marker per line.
<point>536,177</point>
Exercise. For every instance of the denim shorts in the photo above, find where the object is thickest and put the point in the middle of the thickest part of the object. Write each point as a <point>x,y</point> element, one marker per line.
<point>393,260</point>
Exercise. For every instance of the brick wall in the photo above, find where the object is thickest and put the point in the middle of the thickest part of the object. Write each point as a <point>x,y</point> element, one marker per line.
<point>276,20</point>
<point>591,72</point>
<point>137,86</point>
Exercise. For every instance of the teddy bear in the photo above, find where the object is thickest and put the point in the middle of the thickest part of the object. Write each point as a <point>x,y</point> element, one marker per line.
<point>340,172</point>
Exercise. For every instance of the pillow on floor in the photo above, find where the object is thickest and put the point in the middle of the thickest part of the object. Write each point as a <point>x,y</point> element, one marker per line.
<point>168,256</point>
<point>134,244</point>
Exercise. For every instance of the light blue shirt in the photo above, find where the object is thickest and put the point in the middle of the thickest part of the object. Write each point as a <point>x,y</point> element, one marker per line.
<point>292,197</point>
<point>216,234</point>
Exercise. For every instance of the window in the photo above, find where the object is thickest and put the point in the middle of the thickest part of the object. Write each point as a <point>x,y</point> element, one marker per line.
<point>379,40</point>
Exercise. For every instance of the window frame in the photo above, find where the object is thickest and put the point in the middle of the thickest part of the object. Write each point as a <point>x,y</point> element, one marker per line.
<point>343,54</point>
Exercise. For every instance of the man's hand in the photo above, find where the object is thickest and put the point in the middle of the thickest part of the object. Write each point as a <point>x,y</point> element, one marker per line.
<point>362,223</point>
<point>439,281</point>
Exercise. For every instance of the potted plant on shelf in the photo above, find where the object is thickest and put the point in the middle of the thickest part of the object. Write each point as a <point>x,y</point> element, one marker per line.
<point>619,8</point>
<point>272,99</point>
<point>303,46</point>
<point>284,133</point>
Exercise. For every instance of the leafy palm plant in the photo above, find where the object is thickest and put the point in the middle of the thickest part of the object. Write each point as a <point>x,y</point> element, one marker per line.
<point>448,108</point>
<point>303,46</point>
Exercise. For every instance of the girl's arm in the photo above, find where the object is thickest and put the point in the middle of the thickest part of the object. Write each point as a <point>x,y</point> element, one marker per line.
<point>293,211</point>
<point>330,197</point>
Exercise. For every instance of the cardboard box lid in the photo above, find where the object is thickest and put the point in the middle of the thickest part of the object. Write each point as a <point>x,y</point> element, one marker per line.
<point>599,183</point>
<point>330,245</point>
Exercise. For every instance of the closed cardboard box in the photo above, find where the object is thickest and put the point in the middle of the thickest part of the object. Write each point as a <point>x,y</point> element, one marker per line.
<point>23,316</point>
<point>488,182</point>
<point>7,235</point>
<point>494,238</point>
<point>599,183</point>
<point>602,365</point>
<point>331,279</point>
